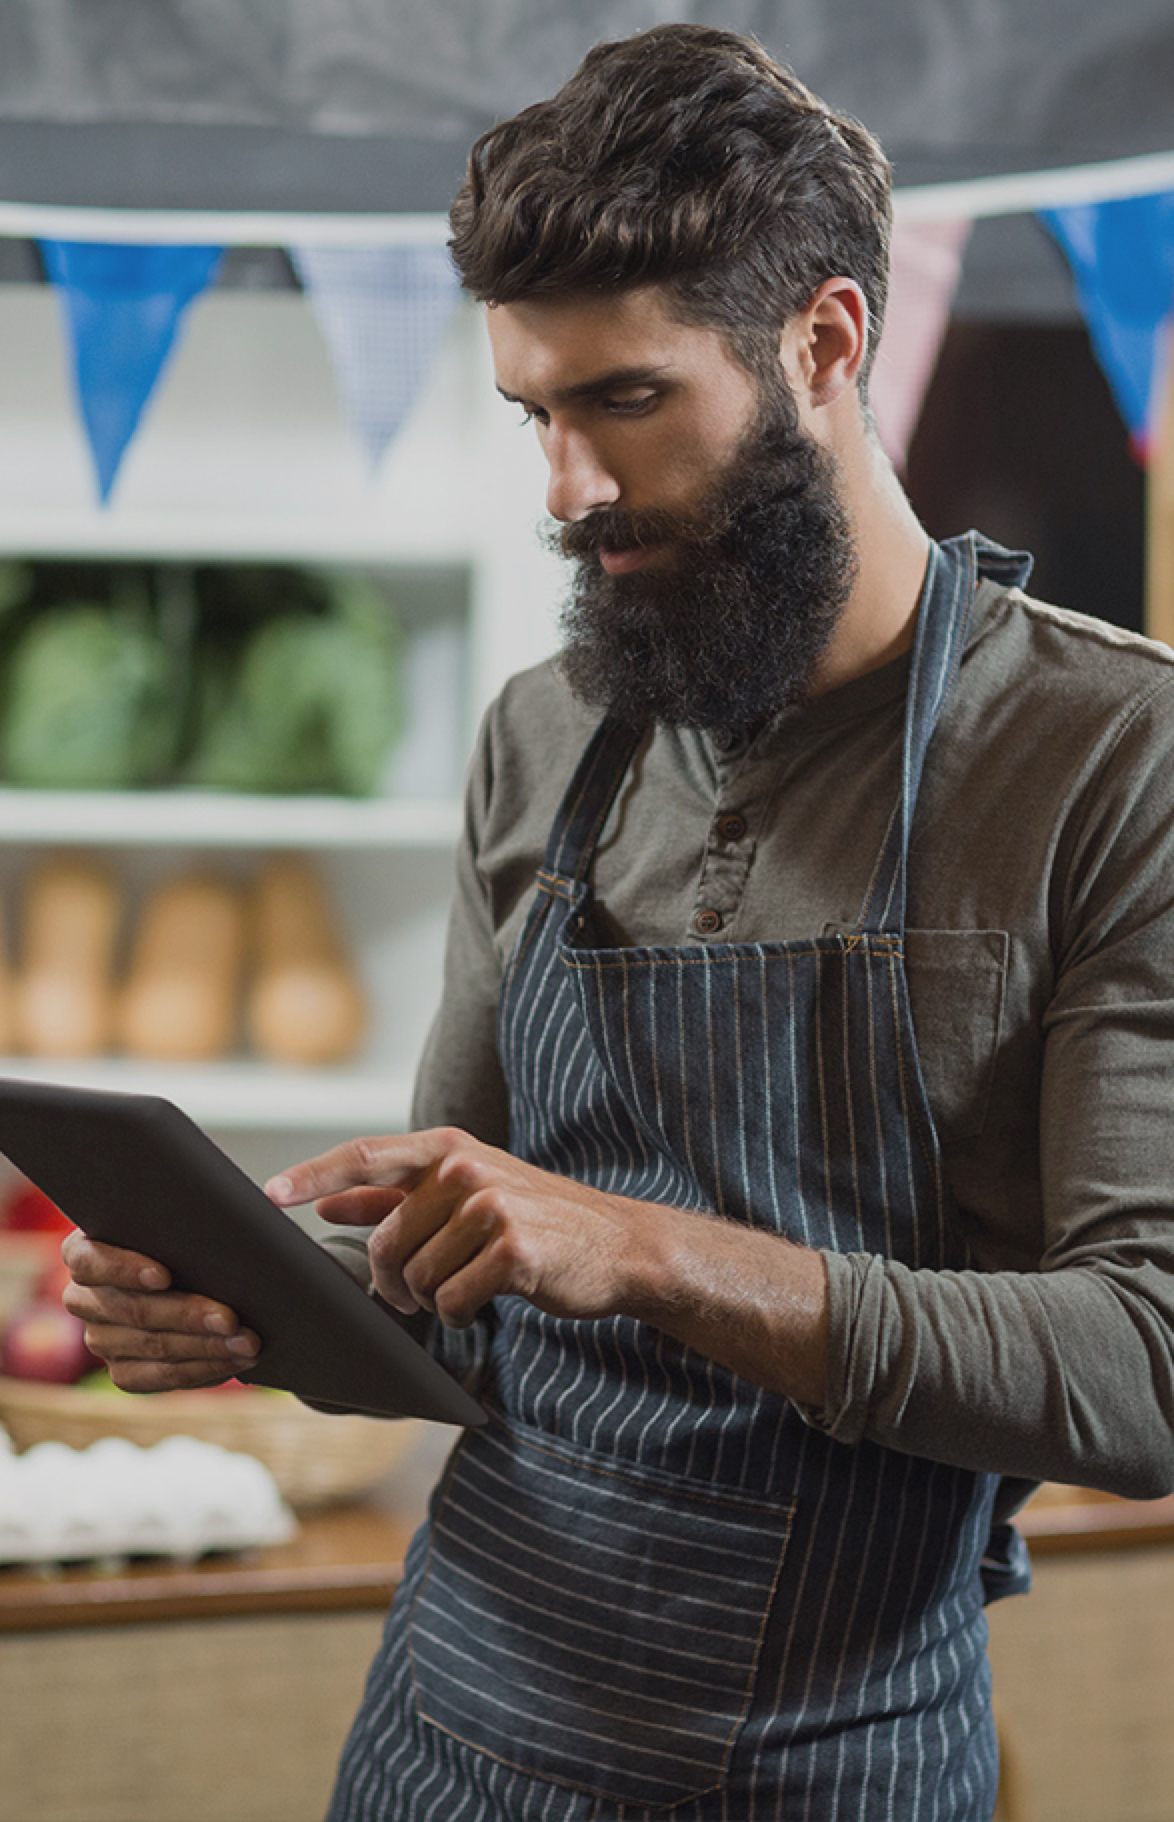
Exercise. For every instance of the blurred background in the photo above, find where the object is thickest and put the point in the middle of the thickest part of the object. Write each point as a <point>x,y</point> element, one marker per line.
<point>267,550</point>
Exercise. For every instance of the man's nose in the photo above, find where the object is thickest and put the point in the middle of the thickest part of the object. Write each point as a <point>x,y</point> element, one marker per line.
<point>580,482</point>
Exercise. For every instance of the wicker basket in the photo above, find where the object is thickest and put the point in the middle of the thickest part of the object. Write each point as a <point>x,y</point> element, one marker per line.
<point>316,1459</point>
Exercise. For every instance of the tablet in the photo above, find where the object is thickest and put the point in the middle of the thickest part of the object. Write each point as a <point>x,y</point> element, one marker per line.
<point>133,1170</point>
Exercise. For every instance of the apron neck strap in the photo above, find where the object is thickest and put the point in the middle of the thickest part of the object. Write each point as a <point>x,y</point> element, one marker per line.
<point>590,795</point>
<point>943,621</point>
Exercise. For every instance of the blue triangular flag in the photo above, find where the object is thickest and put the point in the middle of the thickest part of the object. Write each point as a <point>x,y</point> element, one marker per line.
<point>382,311</point>
<point>1122,257</point>
<point>123,305</point>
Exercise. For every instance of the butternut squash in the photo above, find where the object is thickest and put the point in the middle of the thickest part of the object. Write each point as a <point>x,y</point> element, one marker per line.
<point>304,1004</point>
<point>181,996</point>
<point>63,995</point>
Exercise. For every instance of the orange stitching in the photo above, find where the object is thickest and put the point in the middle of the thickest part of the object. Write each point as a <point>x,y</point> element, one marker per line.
<point>885,947</point>
<point>535,923</point>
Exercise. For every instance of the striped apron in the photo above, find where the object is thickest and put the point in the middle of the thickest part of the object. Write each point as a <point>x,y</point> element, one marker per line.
<point>649,1587</point>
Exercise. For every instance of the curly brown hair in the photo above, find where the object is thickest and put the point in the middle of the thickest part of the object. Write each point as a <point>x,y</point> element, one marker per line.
<point>686,157</point>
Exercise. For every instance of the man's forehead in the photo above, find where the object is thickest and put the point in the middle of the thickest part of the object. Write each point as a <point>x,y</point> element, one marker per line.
<point>572,344</point>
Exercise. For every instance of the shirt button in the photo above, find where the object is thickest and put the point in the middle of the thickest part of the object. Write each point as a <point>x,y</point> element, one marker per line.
<point>731,827</point>
<point>707,923</point>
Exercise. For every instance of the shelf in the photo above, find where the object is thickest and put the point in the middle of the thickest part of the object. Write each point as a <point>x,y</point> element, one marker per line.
<point>243,1095</point>
<point>220,820</point>
<point>228,536</point>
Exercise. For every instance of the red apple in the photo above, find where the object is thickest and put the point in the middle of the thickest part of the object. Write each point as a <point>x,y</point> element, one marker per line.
<point>28,1210</point>
<point>43,1341</point>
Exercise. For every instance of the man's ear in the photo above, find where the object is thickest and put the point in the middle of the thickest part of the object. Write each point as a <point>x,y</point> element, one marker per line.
<point>823,347</point>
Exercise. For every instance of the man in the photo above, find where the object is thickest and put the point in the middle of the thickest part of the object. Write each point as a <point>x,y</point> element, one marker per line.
<point>794,1169</point>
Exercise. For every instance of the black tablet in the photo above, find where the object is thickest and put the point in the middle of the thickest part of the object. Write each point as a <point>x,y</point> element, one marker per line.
<point>133,1170</point>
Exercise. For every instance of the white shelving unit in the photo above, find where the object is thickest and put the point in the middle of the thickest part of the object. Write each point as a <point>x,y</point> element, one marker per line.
<point>245,455</point>
<point>235,1097</point>
<point>206,819</point>
<point>388,863</point>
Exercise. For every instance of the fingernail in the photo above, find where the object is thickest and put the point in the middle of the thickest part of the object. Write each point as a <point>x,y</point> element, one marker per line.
<point>243,1344</point>
<point>279,1189</point>
<point>153,1278</point>
<point>219,1325</point>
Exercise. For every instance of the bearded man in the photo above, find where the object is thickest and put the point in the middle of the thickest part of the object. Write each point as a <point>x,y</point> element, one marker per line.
<point>793,1165</point>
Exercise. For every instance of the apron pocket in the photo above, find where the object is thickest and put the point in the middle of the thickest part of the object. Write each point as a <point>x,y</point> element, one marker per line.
<point>591,1622</point>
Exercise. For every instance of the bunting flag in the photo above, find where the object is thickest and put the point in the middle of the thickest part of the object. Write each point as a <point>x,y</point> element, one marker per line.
<point>1122,258</point>
<point>123,306</point>
<point>926,266</point>
<point>382,312</point>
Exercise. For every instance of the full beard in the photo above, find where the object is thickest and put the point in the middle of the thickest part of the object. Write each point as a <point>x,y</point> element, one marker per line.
<point>731,630</point>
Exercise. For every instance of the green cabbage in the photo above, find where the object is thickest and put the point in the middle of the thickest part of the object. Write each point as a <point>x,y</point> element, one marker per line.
<point>312,704</point>
<point>91,701</point>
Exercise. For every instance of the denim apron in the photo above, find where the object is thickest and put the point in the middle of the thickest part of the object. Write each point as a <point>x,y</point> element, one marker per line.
<point>648,1587</point>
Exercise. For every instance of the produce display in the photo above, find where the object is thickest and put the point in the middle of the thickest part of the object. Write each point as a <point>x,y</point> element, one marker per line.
<point>251,678</point>
<point>207,960</point>
<point>245,678</point>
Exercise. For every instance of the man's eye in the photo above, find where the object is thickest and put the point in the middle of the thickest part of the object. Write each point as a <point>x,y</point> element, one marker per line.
<point>631,404</point>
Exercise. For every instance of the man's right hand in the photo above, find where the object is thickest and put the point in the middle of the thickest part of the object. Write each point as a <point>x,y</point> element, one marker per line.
<point>153,1339</point>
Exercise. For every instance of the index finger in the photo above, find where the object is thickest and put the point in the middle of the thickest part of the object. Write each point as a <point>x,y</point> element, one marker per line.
<point>92,1262</point>
<point>392,1162</point>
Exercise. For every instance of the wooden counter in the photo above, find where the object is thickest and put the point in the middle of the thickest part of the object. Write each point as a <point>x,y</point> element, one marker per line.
<point>1066,1520</point>
<point>339,1561</point>
<point>1084,1667</point>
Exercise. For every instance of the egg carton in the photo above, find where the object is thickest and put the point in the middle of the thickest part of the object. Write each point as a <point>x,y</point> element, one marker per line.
<point>179,1498</point>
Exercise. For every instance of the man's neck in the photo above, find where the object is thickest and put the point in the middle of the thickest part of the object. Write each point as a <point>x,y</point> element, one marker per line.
<point>892,550</point>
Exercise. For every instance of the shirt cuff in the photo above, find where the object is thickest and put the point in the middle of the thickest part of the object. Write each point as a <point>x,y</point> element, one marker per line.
<point>855,1284</point>
<point>351,1252</point>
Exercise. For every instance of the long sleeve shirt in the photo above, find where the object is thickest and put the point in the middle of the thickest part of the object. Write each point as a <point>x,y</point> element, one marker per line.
<point>1040,960</point>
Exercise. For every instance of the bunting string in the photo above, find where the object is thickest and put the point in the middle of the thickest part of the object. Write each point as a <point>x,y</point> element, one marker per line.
<point>383,303</point>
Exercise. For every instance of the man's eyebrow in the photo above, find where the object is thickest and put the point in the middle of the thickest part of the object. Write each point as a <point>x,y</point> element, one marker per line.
<point>614,380</point>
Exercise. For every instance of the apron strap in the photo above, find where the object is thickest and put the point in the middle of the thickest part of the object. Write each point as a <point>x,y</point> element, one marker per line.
<point>943,621</point>
<point>589,797</point>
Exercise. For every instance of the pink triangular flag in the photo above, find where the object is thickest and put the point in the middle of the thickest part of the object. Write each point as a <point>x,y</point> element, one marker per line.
<point>926,266</point>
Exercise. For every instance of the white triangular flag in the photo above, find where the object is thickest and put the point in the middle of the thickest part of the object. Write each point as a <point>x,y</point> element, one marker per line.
<point>382,311</point>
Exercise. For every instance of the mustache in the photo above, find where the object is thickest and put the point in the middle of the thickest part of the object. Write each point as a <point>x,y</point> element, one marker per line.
<point>775,463</point>
<point>616,528</point>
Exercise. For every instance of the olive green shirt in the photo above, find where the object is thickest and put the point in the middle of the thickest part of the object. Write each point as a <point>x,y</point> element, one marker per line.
<point>1040,959</point>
